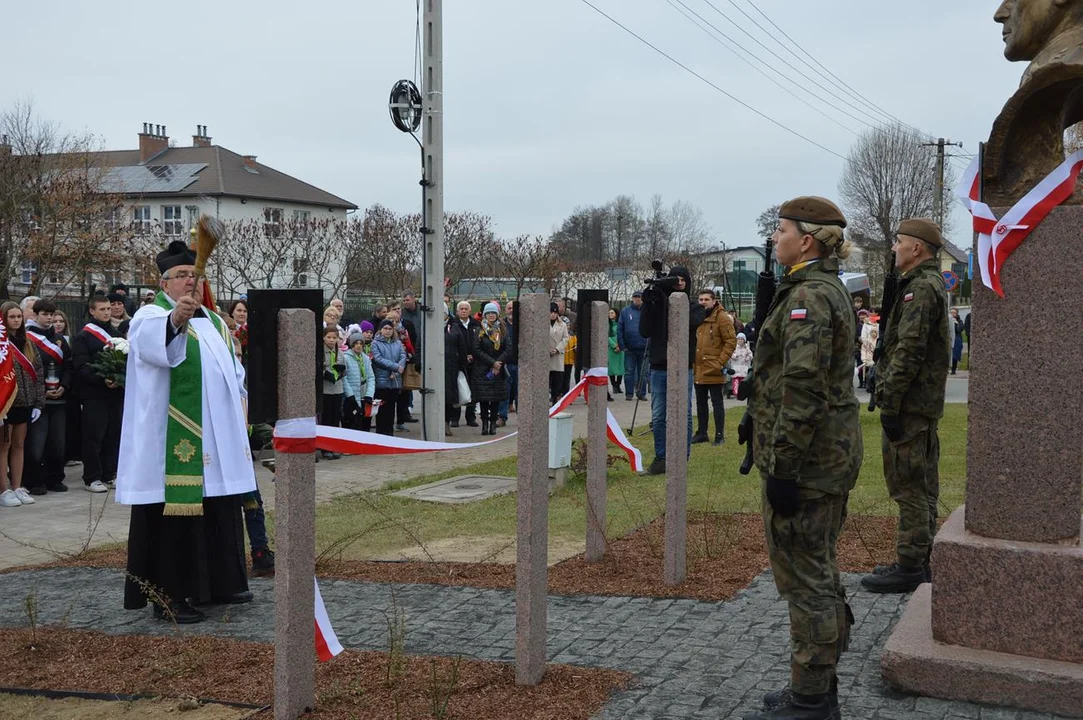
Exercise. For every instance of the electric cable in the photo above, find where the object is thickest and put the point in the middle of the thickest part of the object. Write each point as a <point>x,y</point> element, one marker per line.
<point>718,40</point>
<point>703,79</point>
<point>790,65</point>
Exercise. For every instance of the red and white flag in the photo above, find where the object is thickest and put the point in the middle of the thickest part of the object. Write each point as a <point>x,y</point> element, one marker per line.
<point>327,644</point>
<point>998,239</point>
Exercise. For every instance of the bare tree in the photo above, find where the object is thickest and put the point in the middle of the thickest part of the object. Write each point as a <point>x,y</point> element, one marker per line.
<point>530,261</point>
<point>56,208</point>
<point>470,247</point>
<point>889,177</point>
<point>767,222</point>
<point>689,232</point>
<point>625,228</point>
<point>658,232</point>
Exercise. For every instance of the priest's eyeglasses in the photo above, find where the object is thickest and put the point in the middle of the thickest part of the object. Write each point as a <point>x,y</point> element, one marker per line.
<point>182,275</point>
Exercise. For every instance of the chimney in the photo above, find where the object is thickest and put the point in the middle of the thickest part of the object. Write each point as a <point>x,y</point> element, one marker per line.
<point>200,139</point>
<point>250,164</point>
<point>152,141</point>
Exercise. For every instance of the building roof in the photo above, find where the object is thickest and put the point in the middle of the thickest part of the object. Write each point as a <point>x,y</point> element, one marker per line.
<point>211,171</point>
<point>955,252</point>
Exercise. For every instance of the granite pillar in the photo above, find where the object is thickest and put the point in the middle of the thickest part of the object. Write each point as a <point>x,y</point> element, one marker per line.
<point>677,409</point>
<point>532,497</point>
<point>1001,622</point>
<point>597,449</point>
<point>295,526</point>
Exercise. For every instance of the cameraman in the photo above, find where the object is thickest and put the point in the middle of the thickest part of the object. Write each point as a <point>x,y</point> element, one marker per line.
<point>654,325</point>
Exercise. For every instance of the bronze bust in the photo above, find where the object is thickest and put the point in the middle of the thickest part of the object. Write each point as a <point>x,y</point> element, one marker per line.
<point>1027,139</point>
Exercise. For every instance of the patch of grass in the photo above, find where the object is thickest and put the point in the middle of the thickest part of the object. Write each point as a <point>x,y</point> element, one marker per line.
<point>376,522</point>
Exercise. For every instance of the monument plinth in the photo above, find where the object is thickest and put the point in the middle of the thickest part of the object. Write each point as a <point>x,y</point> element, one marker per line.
<point>1002,622</point>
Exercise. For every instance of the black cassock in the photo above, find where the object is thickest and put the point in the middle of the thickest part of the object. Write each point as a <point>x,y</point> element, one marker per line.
<point>184,556</point>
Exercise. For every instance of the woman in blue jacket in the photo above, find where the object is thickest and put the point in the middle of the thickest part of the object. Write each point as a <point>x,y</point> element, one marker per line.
<point>388,364</point>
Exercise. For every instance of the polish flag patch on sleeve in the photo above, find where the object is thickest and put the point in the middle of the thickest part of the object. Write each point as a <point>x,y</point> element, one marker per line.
<point>798,314</point>
<point>908,297</point>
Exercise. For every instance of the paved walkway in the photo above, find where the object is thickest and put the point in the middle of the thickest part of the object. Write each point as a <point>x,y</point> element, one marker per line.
<point>691,659</point>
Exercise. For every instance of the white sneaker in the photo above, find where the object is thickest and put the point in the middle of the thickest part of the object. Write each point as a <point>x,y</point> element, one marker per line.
<point>8,498</point>
<point>96,487</point>
<point>25,497</point>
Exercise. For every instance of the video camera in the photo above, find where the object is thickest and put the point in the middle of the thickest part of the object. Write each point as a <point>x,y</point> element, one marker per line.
<point>661,280</point>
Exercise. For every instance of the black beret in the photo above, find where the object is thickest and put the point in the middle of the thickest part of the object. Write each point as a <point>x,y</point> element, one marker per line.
<point>553,307</point>
<point>114,297</point>
<point>923,229</point>
<point>176,254</point>
<point>812,209</point>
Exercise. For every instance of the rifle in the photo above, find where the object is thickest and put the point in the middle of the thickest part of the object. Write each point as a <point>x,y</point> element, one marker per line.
<point>891,294</point>
<point>765,295</point>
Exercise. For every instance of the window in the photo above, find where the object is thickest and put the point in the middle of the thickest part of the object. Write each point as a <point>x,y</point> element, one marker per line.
<point>300,223</point>
<point>193,215</point>
<point>172,225</point>
<point>272,222</point>
<point>712,266</point>
<point>141,219</point>
<point>112,219</point>
<point>27,270</point>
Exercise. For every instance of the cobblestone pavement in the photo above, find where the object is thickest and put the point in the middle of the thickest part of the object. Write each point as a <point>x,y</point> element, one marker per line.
<point>691,659</point>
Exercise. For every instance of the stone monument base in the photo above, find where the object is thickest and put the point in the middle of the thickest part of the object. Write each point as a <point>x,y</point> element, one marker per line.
<point>987,596</point>
<point>913,662</point>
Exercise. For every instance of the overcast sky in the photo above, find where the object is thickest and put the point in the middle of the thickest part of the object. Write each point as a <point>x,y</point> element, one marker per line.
<point>548,105</point>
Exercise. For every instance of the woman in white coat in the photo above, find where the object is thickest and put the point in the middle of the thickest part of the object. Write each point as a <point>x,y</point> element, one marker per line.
<point>558,342</point>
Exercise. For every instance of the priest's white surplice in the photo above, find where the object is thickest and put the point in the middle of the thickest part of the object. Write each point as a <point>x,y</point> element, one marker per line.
<point>227,461</point>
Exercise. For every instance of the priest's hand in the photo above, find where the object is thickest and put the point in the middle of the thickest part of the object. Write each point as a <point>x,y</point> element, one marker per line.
<point>186,308</point>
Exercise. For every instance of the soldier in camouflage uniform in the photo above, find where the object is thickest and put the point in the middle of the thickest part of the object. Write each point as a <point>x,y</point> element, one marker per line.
<point>911,376</point>
<point>807,445</point>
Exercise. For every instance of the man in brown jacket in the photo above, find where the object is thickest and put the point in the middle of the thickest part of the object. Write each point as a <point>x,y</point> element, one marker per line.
<point>715,342</point>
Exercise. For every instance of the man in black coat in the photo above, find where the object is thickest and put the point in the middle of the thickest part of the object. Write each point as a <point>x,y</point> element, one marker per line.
<point>46,451</point>
<point>465,324</point>
<point>103,402</point>
<point>654,325</point>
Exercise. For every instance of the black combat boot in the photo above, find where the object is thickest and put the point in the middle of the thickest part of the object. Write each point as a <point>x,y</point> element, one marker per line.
<point>893,578</point>
<point>796,706</point>
<point>700,437</point>
<point>777,698</point>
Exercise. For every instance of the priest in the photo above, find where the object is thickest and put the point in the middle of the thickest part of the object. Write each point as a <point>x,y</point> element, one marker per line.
<point>185,462</point>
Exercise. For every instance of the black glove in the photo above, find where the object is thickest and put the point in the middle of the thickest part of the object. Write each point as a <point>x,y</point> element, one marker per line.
<point>744,429</point>
<point>329,376</point>
<point>892,427</point>
<point>782,494</point>
<point>366,400</point>
<point>339,368</point>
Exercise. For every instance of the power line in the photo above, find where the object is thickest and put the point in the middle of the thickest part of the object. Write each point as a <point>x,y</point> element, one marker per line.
<point>833,75</point>
<point>790,65</point>
<point>757,68</point>
<point>737,100</point>
<point>834,81</point>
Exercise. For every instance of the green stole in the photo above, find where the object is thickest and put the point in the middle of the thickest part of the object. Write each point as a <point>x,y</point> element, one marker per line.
<point>184,458</point>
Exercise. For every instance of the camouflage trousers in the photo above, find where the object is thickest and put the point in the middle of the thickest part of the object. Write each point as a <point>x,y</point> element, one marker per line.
<point>913,481</point>
<point>802,552</point>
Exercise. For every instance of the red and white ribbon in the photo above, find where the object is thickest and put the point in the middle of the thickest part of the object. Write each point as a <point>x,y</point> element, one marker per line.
<point>47,346</point>
<point>295,435</point>
<point>327,644</point>
<point>301,435</point>
<point>998,239</point>
<point>98,333</point>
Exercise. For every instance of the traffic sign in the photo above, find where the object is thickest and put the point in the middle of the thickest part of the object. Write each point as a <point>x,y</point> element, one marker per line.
<point>951,280</point>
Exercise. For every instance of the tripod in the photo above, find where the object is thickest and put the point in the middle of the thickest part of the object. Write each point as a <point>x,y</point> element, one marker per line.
<point>640,382</point>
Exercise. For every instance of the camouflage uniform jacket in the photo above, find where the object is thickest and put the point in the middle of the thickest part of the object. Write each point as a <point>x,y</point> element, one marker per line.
<point>913,370</point>
<point>804,410</point>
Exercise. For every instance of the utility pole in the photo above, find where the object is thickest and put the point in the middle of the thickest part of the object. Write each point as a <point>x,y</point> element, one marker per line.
<point>432,204</point>
<point>938,204</point>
